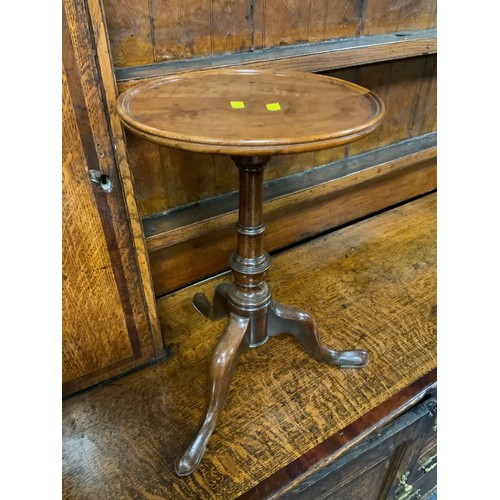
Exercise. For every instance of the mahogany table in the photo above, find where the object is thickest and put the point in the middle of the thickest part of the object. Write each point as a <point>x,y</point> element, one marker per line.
<point>250,115</point>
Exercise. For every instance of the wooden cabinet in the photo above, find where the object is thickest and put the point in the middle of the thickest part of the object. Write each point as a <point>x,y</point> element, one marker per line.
<point>399,462</point>
<point>108,324</point>
<point>165,227</point>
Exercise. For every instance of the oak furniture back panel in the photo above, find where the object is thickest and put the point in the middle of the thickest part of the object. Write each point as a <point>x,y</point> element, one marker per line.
<point>152,31</point>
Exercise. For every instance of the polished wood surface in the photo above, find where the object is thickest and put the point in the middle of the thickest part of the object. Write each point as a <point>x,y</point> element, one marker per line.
<point>250,112</point>
<point>371,284</point>
<point>333,460</point>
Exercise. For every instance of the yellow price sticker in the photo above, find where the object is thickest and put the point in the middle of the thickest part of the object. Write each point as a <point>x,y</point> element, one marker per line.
<point>273,106</point>
<point>237,104</point>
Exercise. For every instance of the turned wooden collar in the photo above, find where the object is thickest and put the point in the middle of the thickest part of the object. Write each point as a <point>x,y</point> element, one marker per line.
<point>250,112</point>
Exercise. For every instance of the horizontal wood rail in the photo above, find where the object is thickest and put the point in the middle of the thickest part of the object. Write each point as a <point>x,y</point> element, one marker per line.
<point>314,57</point>
<point>191,221</point>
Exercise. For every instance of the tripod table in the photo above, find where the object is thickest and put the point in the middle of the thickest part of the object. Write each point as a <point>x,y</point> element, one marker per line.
<point>250,115</point>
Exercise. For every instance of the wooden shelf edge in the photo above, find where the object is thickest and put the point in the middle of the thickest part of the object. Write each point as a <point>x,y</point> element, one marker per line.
<point>321,56</point>
<point>182,224</point>
<point>336,445</point>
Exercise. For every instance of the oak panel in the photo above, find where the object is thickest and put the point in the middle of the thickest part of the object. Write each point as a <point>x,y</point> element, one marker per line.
<point>109,94</point>
<point>91,117</point>
<point>94,326</point>
<point>387,16</point>
<point>331,19</point>
<point>282,22</point>
<point>189,176</point>
<point>182,28</point>
<point>370,285</point>
<point>130,33</point>
<point>232,26</point>
<point>424,119</point>
<point>149,174</point>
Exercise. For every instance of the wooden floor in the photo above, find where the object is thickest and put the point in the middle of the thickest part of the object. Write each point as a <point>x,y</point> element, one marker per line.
<point>371,285</point>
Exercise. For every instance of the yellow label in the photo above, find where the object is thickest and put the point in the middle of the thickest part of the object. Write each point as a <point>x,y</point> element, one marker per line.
<point>273,106</point>
<point>237,104</point>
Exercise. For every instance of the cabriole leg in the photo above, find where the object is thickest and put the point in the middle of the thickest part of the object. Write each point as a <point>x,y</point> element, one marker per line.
<point>299,323</point>
<point>219,306</point>
<point>230,346</point>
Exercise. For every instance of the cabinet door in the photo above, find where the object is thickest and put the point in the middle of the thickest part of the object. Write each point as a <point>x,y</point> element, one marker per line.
<point>108,327</point>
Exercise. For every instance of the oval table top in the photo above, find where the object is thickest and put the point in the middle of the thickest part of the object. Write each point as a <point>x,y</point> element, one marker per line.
<point>250,112</point>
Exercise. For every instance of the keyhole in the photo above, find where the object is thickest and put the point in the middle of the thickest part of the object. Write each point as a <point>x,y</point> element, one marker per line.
<point>102,180</point>
<point>105,183</point>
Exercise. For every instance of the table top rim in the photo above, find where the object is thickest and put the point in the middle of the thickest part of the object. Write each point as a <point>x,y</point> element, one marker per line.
<point>270,146</point>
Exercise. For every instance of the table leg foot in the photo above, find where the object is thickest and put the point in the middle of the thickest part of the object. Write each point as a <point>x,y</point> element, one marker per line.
<point>219,306</point>
<point>289,319</point>
<point>232,343</point>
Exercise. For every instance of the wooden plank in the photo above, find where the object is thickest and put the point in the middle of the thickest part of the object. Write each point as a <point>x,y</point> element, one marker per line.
<point>387,16</point>
<point>401,100</point>
<point>184,223</point>
<point>131,37</point>
<point>109,92</point>
<point>309,57</point>
<point>370,285</point>
<point>182,28</point>
<point>284,165</point>
<point>424,118</point>
<point>189,177</point>
<point>329,20</point>
<point>232,26</point>
<point>398,85</point>
<point>284,22</point>
<point>177,265</point>
<point>149,174</point>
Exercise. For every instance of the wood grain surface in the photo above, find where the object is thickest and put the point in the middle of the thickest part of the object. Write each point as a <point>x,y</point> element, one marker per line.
<point>250,112</point>
<point>346,452</point>
<point>370,285</point>
<point>82,291</point>
<point>108,323</point>
<point>387,16</point>
<point>320,207</point>
<point>195,219</point>
<point>149,31</point>
<point>117,143</point>
<point>313,56</point>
